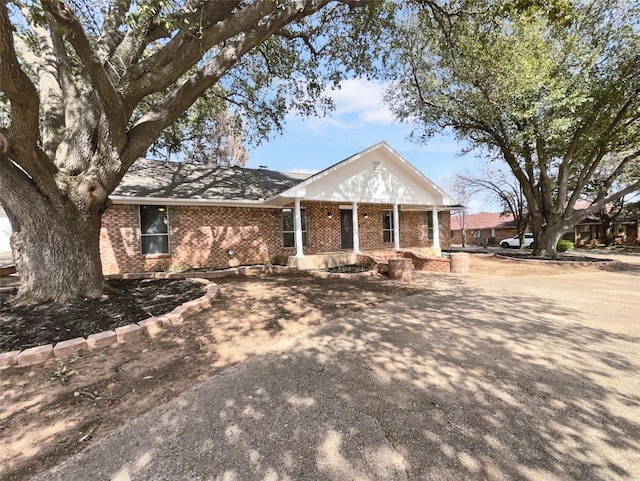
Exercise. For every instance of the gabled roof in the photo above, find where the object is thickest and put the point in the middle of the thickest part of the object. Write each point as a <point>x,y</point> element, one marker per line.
<point>375,175</point>
<point>172,180</point>
<point>483,220</point>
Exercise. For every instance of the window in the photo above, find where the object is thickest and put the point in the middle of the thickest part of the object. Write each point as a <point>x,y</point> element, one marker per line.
<point>288,227</point>
<point>477,234</point>
<point>154,229</point>
<point>430,225</point>
<point>387,226</point>
<point>585,233</point>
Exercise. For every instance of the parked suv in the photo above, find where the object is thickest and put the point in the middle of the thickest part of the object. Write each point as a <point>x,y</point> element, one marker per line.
<point>515,242</point>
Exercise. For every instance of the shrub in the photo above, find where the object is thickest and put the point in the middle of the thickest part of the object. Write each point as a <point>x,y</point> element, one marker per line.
<point>564,245</point>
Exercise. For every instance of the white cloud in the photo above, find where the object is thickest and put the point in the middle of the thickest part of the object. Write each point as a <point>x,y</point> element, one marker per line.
<point>363,99</point>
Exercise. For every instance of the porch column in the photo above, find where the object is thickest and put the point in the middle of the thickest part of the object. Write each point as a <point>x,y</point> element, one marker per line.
<point>356,238</point>
<point>436,228</point>
<point>297,226</point>
<point>396,228</point>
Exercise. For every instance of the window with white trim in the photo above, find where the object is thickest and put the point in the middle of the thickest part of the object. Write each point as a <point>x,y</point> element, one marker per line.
<point>387,226</point>
<point>289,230</point>
<point>154,229</point>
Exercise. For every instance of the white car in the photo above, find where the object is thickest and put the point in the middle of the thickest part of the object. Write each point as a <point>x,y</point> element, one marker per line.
<point>515,242</point>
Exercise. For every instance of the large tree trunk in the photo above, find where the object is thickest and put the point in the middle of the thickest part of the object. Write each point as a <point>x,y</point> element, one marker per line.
<point>57,252</point>
<point>546,241</point>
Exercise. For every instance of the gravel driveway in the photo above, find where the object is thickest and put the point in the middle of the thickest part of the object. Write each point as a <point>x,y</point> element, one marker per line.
<point>480,377</point>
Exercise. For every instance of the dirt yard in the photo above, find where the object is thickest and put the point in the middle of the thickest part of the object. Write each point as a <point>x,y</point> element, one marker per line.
<point>52,411</point>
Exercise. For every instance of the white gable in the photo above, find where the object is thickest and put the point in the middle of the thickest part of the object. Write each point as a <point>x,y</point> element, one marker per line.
<point>377,175</point>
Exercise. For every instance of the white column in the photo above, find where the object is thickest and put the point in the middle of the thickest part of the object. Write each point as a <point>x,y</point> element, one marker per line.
<point>297,226</point>
<point>436,228</point>
<point>396,228</point>
<point>356,238</point>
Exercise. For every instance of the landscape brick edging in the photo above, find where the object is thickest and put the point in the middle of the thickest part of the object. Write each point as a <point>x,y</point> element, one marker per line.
<point>134,332</point>
<point>150,326</point>
<point>128,333</point>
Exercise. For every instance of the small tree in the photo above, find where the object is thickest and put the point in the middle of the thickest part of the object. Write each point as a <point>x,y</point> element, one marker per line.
<point>207,133</point>
<point>463,193</point>
<point>502,187</point>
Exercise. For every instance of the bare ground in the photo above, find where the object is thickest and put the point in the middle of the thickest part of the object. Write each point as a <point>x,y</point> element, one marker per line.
<point>51,411</point>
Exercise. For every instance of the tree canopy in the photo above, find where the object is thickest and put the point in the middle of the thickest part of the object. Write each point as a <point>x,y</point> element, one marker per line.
<point>549,88</point>
<point>88,87</point>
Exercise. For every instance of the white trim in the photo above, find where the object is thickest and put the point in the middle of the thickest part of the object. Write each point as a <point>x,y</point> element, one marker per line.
<point>426,208</point>
<point>297,226</point>
<point>436,228</point>
<point>355,230</point>
<point>396,227</point>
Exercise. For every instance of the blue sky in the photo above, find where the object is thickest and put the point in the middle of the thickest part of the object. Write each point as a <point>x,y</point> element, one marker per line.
<point>359,121</point>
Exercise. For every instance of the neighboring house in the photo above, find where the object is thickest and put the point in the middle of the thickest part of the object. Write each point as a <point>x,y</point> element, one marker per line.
<point>590,231</point>
<point>174,216</point>
<point>486,228</point>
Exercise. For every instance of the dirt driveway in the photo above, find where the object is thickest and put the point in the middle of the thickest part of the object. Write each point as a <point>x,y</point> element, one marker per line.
<point>512,372</point>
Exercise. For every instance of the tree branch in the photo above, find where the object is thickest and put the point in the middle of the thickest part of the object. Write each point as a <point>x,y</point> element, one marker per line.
<point>577,216</point>
<point>170,108</point>
<point>22,134</point>
<point>21,137</point>
<point>110,99</point>
<point>51,101</point>
<point>111,36</point>
<point>165,67</point>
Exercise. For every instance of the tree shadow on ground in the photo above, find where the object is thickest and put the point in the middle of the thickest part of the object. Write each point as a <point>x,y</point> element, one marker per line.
<point>452,384</point>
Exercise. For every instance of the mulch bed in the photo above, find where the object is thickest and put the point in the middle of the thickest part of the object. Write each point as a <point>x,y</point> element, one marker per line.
<point>350,269</point>
<point>49,323</point>
<point>561,258</point>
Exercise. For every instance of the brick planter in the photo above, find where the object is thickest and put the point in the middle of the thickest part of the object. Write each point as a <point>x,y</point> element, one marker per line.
<point>400,269</point>
<point>459,262</point>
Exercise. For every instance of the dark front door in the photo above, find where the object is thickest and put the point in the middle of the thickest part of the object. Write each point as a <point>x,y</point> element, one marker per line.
<point>346,229</point>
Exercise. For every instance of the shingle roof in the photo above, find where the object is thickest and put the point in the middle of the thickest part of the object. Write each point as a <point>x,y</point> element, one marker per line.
<point>483,220</point>
<point>176,180</point>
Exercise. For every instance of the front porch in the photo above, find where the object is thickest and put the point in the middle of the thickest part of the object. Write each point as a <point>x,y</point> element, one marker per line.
<point>423,258</point>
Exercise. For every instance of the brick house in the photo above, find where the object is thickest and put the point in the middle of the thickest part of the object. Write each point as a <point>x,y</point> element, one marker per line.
<point>171,216</point>
<point>624,230</point>
<point>485,228</point>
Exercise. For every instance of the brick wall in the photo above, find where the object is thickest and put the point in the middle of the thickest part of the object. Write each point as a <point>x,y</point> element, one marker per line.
<point>444,224</point>
<point>203,236</point>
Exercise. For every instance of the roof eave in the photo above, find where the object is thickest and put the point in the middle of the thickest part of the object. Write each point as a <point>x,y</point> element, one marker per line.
<point>119,199</point>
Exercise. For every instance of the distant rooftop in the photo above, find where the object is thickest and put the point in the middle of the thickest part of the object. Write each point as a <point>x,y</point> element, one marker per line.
<point>177,180</point>
<point>483,220</point>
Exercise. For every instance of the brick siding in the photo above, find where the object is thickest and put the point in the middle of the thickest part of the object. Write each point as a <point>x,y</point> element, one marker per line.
<point>202,236</point>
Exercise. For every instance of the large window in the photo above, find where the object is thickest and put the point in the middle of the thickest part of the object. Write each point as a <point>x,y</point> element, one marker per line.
<point>154,229</point>
<point>288,227</point>
<point>387,226</point>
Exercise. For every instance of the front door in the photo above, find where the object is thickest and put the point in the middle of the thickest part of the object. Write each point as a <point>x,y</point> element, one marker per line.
<point>346,229</point>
